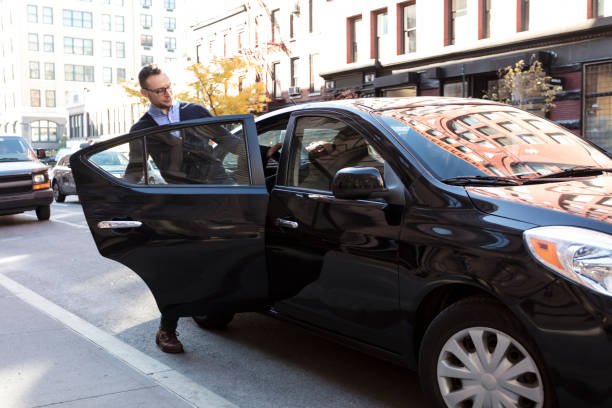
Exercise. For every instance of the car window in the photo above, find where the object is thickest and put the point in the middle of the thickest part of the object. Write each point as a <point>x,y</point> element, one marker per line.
<point>476,140</point>
<point>202,154</point>
<point>15,149</point>
<point>321,146</point>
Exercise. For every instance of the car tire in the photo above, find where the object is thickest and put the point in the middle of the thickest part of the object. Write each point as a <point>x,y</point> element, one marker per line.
<point>214,321</point>
<point>43,213</point>
<point>57,193</point>
<point>467,353</point>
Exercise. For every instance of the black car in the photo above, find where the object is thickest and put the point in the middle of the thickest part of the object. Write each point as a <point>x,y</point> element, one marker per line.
<point>24,180</point>
<point>464,238</point>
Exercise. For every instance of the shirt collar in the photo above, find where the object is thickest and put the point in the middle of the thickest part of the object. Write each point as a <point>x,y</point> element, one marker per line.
<point>171,117</point>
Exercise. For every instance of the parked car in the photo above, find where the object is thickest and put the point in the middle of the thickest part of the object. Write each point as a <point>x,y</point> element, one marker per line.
<point>113,162</point>
<point>464,238</point>
<point>24,181</point>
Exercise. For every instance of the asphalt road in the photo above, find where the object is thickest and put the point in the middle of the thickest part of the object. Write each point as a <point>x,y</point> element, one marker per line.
<point>257,362</point>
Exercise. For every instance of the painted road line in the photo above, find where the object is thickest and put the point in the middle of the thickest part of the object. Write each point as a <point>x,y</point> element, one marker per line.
<point>53,219</point>
<point>160,373</point>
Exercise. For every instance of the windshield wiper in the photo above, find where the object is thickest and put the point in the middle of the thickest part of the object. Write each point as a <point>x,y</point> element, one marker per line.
<point>483,181</point>
<point>578,171</point>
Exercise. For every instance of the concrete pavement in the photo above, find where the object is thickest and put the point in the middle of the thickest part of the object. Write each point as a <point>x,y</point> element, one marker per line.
<point>50,357</point>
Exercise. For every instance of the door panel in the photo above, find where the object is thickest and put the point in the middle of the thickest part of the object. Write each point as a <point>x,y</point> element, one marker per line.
<point>335,260</point>
<point>200,243</point>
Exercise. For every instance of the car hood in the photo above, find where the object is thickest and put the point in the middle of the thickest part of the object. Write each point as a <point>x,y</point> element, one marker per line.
<point>20,167</point>
<point>583,202</point>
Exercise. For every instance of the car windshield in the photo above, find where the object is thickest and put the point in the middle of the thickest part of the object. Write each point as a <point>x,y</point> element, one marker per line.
<point>109,158</point>
<point>15,149</point>
<point>489,141</point>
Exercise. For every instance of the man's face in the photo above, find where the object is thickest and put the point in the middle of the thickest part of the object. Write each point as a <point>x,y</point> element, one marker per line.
<point>158,91</point>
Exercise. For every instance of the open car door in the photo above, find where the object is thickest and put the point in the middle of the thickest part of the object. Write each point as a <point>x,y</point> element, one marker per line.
<point>184,206</point>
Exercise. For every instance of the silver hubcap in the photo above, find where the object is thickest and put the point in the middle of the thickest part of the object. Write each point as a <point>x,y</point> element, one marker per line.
<point>483,367</point>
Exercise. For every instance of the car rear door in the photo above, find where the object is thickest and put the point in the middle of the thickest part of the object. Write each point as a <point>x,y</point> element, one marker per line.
<point>196,237</point>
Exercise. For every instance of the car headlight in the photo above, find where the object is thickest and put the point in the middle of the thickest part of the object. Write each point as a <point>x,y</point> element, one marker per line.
<point>40,181</point>
<point>579,254</point>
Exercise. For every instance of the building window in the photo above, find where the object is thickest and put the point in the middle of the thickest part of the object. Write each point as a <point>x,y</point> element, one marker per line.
<point>170,43</point>
<point>315,79</point>
<point>146,59</point>
<point>33,42</point>
<point>353,30</point>
<point>120,49</point>
<point>35,98</point>
<point>81,73</point>
<point>484,19</point>
<point>34,70</point>
<point>43,131</point>
<point>379,31</point>
<point>119,24</point>
<point>48,43</point>
<point>76,18</point>
<point>310,17</point>
<point>275,80</point>
<point>146,40</point>
<point>294,67</point>
<point>78,46</point>
<point>49,70</point>
<point>602,8</point>
<point>145,3</point>
<point>407,27</point>
<point>32,13</point>
<point>522,15</point>
<point>107,48</point>
<point>170,23</point>
<point>146,21</point>
<point>458,24</point>
<point>598,104</point>
<point>50,98</point>
<point>106,22</point>
<point>120,75</point>
<point>170,5</point>
<point>47,15</point>
<point>107,75</point>
<point>291,25</point>
<point>275,25</point>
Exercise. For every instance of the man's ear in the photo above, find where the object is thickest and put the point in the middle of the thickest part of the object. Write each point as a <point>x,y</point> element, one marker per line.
<point>142,92</point>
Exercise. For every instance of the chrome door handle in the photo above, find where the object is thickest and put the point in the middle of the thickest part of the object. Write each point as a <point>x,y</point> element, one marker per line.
<point>279,222</point>
<point>118,224</point>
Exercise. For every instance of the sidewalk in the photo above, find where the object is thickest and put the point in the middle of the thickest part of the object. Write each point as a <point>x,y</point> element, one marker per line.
<point>49,357</point>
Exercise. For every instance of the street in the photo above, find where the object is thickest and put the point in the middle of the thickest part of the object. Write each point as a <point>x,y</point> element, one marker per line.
<point>257,362</point>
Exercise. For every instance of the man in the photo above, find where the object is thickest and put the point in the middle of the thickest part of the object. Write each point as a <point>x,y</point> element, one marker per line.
<point>170,157</point>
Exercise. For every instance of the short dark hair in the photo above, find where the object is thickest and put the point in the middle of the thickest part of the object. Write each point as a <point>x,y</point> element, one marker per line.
<point>146,72</point>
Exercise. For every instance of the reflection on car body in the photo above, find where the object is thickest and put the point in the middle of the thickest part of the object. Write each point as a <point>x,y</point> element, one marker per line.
<point>421,229</point>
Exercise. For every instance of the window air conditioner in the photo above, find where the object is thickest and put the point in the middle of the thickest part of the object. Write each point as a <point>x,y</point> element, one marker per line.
<point>295,90</point>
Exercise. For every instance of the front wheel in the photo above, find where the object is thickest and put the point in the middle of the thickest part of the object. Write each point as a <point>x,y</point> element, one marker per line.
<point>475,354</point>
<point>57,193</point>
<point>217,321</point>
<point>43,213</point>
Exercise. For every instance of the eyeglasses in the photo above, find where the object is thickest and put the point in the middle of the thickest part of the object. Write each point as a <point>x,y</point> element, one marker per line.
<point>160,91</point>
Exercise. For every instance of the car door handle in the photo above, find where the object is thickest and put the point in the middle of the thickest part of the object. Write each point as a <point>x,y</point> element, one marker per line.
<point>119,224</point>
<point>280,222</point>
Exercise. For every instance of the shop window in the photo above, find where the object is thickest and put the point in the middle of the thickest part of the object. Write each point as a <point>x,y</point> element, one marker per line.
<point>598,104</point>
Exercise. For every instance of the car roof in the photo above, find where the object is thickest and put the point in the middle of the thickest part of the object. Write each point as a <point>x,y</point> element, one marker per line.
<point>381,104</point>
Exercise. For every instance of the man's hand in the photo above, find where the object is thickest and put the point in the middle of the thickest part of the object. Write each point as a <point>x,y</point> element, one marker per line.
<point>273,150</point>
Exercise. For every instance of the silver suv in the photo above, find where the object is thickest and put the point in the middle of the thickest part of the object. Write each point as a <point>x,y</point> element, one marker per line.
<point>24,180</point>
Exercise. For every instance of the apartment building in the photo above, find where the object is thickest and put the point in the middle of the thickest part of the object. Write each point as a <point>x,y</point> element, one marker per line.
<point>62,63</point>
<point>283,39</point>
<point>456,47</point>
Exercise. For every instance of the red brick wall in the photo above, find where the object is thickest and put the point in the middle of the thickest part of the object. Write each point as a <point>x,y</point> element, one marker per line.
<point>572,80</point>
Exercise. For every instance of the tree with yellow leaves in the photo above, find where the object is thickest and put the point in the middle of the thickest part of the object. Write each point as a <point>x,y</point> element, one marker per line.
<point>527,88</point>
<point>219,86</point>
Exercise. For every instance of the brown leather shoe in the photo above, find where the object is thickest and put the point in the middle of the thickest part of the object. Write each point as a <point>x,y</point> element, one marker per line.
<point>168,342</point>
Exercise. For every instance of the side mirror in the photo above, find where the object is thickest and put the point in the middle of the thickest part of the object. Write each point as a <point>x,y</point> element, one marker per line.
<point>41,154</point>
<point>357,182</point>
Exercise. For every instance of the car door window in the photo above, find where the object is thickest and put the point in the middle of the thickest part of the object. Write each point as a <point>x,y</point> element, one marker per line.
<point>199,154</point>
<point>321,146</point>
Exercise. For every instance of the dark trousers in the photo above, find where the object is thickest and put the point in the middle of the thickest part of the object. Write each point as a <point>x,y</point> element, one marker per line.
<point>168,323</point>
